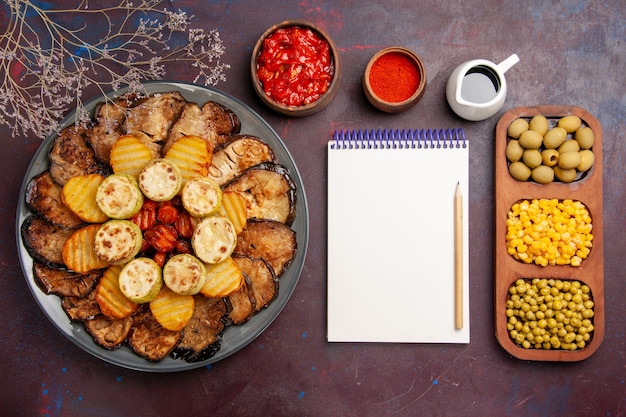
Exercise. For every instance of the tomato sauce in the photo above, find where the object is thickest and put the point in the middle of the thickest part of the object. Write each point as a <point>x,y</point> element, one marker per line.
<point>295,66</point>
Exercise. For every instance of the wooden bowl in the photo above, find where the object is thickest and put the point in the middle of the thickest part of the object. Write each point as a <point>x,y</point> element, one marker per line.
<point>508,191</point>
<point>414,93</point>
<point>305,109</point>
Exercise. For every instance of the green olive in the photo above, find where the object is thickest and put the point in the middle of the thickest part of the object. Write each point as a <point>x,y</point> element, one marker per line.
<point>569,160</point>
<point>549,157</point>
<point>570,123</point>
<point>584,137</point>
<point>564,175</point>
<point>569,146</point>
<point>531,139</point>
<point>586,160</point>
<point>514,151</point>
<point>532,158</point>
<point>542,174</point>
<point>517,127</point>
<point>539,124</point>
<point>554,137</point>
<point>519,171</point>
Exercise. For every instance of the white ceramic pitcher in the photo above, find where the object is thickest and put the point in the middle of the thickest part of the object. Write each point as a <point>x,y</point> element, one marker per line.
<point>476,89</point>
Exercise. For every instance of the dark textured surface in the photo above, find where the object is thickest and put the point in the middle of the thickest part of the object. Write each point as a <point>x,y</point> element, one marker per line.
<point>571,52</point>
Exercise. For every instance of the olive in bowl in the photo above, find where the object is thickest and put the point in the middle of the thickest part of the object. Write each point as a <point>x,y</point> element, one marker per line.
<point>295,68</point>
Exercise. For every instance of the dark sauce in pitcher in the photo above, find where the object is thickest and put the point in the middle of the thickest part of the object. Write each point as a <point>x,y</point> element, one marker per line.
<point>480,85</point>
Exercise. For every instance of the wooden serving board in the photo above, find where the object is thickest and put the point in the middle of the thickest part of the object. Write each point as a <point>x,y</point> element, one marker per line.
<point>508,191</point>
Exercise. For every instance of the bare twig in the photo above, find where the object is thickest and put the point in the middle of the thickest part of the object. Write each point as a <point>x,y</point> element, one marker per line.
<point>48,57</point>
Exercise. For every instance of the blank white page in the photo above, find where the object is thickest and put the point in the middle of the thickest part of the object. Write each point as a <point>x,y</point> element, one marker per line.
<point>391,244</point>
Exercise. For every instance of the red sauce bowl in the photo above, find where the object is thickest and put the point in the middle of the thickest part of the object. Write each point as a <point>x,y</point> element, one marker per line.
<point>394,79</point>
<point>311,84</point>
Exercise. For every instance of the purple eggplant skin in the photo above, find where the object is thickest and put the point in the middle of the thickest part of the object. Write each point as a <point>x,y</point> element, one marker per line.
<point>269,190</point>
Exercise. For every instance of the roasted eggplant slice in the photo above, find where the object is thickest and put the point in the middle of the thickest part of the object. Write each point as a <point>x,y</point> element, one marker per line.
<point>240,304</point>
<point>149,339</point>
<point>81,309</point>
<point>202,336</point>
<point>269,190</point>
<point>151,118</point>
<point>71,156</point>
<point>269,240</point>
<point>107,332</point>
<point>43,240</point>
<point>192,122</point>
<point>64,283</point>
<point>109,119</point>
<point>263,282</point>
<point>43,195</point>
<point>226,122</point>
<point>243,152</point>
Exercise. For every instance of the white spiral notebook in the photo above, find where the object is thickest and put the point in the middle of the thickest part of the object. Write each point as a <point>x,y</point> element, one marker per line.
<point>391,236</point>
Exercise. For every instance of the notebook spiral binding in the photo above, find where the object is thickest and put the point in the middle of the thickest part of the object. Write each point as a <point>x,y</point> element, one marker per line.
<point>399,139</point>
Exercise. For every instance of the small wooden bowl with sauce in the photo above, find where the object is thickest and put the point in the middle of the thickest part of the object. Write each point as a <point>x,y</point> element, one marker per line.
<point>295,87</point>
<point>394,79</point>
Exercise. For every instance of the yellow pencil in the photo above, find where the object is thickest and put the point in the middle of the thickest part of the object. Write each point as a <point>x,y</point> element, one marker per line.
<point>458,257</point>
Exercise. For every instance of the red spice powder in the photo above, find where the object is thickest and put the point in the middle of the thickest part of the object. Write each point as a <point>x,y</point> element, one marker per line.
<point>394,77</point>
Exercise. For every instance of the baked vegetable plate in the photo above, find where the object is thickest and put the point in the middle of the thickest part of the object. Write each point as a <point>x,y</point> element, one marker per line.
<point>233,299</point>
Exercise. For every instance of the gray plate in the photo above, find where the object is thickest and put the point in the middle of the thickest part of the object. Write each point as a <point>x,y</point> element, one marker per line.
<point>235,337</point>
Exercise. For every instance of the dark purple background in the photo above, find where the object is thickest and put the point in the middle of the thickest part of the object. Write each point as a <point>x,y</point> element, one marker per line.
<point>571,52</point>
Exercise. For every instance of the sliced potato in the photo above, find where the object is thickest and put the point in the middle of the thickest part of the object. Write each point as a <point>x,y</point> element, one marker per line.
<point>201,197</point>
<point>172,311</point>
<point>234,208</point>
<point>112,301</point>
<point>79,194</point>
<point>141,280</point>
<point>78,253</point>
<point>214,239</point>
<point>222,279</point>
<point>129,155</point>
<point>193,156</point>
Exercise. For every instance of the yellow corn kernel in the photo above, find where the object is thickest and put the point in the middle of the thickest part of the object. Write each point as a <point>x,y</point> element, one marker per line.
<point>549,231</point>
